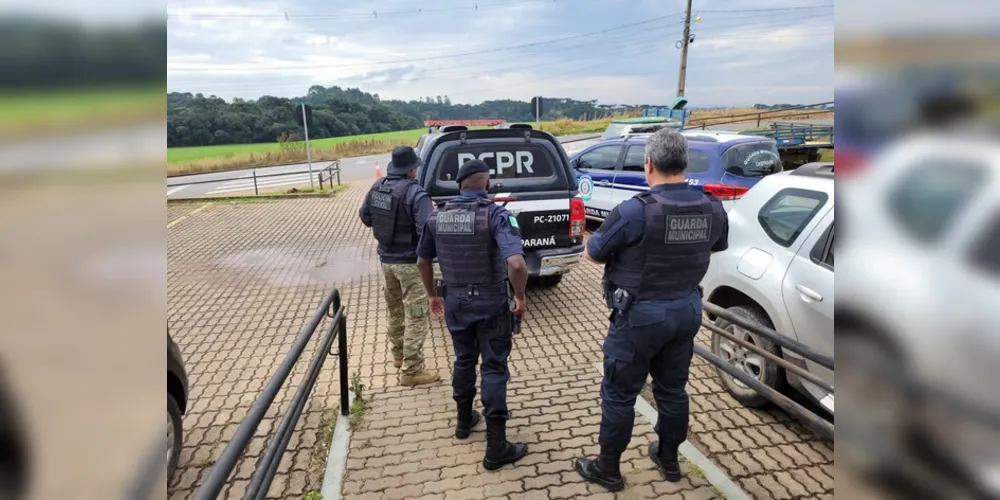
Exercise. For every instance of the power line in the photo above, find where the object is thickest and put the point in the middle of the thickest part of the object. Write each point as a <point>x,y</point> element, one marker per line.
<point>741,22</point>
<point>774,9</point>
<point>447,56</point>
<point>476,6</point>
<point>437,57</point>
<point>589,54</point>
<point>605,46</point>
<point>650,34</point>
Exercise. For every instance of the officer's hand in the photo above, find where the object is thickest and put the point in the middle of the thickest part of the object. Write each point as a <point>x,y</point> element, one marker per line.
<point>437,307</point>
<point>519,306</point>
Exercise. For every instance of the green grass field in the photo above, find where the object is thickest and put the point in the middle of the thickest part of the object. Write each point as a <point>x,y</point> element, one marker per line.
<point>78,108</point>
<point>182,155</point>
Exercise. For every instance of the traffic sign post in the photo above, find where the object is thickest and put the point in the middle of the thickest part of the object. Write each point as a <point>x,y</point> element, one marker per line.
<point>536,109</point>
<point>306,118</point>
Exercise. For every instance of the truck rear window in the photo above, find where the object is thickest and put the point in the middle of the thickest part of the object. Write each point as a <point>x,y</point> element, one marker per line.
<point>756,159</point>
<point>506,161</point>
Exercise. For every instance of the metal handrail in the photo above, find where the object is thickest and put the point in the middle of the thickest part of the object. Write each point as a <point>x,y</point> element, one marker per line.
<point>770,334</point>
<point>332,168</point>
<point>822,426</point>
<point>331,307</point>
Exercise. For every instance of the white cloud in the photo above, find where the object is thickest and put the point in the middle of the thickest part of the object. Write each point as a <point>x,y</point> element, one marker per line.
<point>400,56</point>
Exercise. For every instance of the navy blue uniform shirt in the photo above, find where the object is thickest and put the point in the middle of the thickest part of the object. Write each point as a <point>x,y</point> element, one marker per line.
<point>502,225</point>
<point>416,204</point>
<point>626,223</point>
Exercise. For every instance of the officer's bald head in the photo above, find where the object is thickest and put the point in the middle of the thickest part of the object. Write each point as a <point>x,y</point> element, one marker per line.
<point>667,150</point>
<point>479,180</point>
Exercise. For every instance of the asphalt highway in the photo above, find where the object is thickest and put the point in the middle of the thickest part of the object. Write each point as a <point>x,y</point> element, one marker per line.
<point>282,178</point>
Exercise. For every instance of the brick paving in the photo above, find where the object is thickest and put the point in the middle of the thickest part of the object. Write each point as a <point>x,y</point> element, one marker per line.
<point>244,278</point>
<point>401,453</point>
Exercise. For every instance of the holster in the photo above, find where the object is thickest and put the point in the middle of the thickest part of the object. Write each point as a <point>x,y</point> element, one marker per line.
<point>608,294</point>
<point>622,300</point>
<point>440,288</point>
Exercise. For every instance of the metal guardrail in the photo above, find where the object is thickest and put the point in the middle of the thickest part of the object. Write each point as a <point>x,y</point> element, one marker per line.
<point>332,308</point>
<point>816,422</point>
<point>332,170</point>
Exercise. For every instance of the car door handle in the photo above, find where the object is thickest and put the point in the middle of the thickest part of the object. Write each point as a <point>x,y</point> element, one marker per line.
<point>602,183</point>
<point>809,292</point>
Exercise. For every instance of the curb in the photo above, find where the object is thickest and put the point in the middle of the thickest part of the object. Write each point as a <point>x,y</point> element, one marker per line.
<point>336,460</point>
<point>713,474</point>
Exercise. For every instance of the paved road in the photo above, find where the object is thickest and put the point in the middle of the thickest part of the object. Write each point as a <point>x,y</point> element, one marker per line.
<point>352,169</point>
<point>140,144</point>
<point>241,182</point>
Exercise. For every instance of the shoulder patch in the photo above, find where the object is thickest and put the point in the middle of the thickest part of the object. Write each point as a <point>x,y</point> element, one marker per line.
<point>513,221</point>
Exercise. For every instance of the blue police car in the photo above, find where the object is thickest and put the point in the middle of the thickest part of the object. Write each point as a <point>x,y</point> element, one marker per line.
<point>725,164</point>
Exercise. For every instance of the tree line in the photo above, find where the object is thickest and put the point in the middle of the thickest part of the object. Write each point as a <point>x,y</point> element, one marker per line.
<point>39,53</point>
<point>197,120</point>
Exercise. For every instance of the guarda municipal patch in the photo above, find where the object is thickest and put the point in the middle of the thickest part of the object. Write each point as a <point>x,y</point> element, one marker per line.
<point>683,229</point>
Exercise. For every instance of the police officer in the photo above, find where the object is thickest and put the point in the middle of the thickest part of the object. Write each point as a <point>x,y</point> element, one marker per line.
<point>478,245</point>
<point>656,249</point>
<point>397,208</point>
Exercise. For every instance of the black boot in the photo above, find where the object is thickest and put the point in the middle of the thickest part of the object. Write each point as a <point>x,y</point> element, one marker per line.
<point>666,461</point>
<point>605,471</point>
<point>499,451</point>
<point>467,419</point>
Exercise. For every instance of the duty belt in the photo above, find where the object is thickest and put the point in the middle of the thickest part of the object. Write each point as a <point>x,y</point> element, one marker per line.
<point>473,290</point>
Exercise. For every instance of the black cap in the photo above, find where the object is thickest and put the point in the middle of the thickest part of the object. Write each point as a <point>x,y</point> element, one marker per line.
<point>472,167</point>
<point>404,159</point>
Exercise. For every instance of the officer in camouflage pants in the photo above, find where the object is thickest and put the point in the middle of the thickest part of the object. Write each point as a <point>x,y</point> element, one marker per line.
<point>396,209</point>
<point>408,322</point>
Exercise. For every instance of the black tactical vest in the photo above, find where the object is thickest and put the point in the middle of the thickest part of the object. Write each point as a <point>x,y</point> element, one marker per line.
<point>674,253</point>
<point>466,249</point>
<point>393,228</point>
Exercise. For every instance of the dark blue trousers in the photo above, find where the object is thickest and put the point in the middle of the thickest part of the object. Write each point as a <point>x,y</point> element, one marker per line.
<point>477,331</point>
<point>652,338</point>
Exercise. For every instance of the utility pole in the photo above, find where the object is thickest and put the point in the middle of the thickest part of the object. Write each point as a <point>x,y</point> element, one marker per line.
<point>684,51</point>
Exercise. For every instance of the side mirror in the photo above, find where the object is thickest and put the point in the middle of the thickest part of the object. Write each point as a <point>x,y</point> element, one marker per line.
<point>575,163</point>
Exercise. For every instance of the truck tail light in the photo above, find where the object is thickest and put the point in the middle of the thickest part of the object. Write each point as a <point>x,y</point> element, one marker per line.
<point>726,191</point>
<point>577,217</point>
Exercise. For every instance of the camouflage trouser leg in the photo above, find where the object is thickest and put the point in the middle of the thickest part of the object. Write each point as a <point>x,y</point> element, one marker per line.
<point>408,322</point>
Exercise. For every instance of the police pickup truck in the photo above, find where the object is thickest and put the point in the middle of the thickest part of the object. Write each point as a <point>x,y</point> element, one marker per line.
<point>530,175</point>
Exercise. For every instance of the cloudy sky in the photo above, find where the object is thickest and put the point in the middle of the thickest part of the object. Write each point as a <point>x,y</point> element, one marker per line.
<point>614,51</point>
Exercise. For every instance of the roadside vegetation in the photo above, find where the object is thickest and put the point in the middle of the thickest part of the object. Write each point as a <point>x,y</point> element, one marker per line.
<point>290,147</point>
<point>28,113</point>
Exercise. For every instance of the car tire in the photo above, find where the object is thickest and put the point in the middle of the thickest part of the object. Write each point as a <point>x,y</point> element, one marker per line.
<point>175,424</point>
<point>550,281</point>
<point>875,438</point>
<point>767,372</point>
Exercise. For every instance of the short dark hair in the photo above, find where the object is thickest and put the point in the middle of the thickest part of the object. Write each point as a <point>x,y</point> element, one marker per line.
<point>479,179</point>
<point>668,150</point>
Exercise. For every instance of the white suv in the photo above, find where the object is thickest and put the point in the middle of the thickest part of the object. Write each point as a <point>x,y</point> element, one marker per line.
<point>778,272</point>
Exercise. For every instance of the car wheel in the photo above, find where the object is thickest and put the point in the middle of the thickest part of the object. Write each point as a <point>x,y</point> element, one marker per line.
<point>550,281</point>
<point>749,362</point>
<point>175,431</point>
<point>881,409</point>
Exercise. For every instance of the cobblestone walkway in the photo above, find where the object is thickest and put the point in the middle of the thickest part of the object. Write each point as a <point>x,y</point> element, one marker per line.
<point>406,448</point>
<point>244,278</point>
